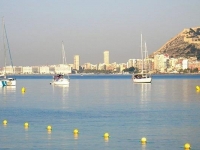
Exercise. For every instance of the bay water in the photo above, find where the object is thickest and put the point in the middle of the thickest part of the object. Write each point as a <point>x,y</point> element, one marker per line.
<point>166,112</point>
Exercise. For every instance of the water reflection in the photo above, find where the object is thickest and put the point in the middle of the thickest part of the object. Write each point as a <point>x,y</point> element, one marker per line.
<point>77,88</point>
<point>26,133</point>
<point>26,128</point>
<point>174,90</point>
<point>61,86</point>
<point>64,89</point>
<point>49,134</point>
<point>197,91</point>
<point>75,136</point>
<point>106,139</point>
<point>106,90</point>
<point>8,89</point>
<point>143,147</point>
<point>185,89</point>
<point>145,92</point>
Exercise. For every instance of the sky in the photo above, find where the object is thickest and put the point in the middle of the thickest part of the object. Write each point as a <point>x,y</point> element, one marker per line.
<point>36,28</point>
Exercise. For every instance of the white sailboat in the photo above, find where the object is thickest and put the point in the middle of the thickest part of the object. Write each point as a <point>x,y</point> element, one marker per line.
<point>59,78</point>
<point>4,81</point>
<point>144,76</point>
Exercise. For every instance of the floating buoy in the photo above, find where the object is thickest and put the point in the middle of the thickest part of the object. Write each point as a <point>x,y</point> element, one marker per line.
<point>143,140</point>
<point>106,135</point>
<point>197,87</point>
<point>23,90</point>
<point>5,122</point>
<point>187,146</point>
<point>26,124</point>
<point>49,128</point>
<point>75,131</point>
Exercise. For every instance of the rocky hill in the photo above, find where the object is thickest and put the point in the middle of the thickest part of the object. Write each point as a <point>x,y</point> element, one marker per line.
<point>185,44</point>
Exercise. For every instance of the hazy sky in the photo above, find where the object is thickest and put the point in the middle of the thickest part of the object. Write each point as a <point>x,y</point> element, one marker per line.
<point>36,28</point>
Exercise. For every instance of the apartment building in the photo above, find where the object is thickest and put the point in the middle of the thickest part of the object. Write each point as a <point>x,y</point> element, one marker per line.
<point>27,70</point>
<point>76,62</point>
<point>44,69</point>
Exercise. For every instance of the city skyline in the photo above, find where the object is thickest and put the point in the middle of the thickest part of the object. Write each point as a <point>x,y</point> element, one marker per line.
<point>88,28</point>
<point>76,61</point>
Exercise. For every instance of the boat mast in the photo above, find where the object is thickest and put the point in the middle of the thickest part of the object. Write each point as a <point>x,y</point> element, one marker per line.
<point>63,54</point>
<point>4,47</point>
<point>145,56</point>
<point>5,50</point>
<point>142,55</point>
<point>64,57</point>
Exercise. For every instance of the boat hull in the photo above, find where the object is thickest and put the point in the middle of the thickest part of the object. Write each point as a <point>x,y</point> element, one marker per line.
<point>60,82</point>
<point>11,82</point>
<point>142,80</point>
<point>8,82</point>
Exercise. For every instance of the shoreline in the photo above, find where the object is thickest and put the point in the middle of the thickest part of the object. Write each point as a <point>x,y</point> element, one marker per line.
<point>160,74</point>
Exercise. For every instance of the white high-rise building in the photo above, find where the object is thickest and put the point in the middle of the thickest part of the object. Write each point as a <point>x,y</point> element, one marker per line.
<point>76,62</point>
<point>185,64</point>
<point>106,57</point>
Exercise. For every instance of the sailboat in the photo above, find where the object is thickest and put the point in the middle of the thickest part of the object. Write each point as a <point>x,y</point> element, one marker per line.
<point>144,76</point>
<point>4,81</point>
<point>59,78</point>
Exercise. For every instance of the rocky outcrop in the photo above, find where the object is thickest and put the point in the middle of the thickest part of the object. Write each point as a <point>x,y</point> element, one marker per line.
<point>185,44</point>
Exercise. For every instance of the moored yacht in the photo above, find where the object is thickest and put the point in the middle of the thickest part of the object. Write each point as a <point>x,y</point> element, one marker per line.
<point>144,76</point>
<point>59,79</point>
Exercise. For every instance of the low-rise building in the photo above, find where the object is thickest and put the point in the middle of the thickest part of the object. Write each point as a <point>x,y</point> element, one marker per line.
<point>9,70</point>
<point>44,70</point>
<point>27,70</point>
<point>18,69</point>
<point>63,69</point>
<point>36,69</point>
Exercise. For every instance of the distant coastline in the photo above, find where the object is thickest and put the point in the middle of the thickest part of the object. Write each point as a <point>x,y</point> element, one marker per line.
<point>71,75</point>
<point>103,74</point>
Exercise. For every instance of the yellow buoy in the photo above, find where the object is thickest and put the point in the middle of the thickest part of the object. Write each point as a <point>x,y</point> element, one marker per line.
<point>75,131</point>
<point>187,146</point>
<point>23,89</point>
<point>49,128</point>
<point>5,122</point>
<point>197,87</point>
<point>26,124</point>
<point>143,140</point>
<point>106,135</point>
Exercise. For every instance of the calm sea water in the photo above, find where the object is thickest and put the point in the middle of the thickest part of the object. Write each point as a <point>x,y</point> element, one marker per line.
<point>166,112</point>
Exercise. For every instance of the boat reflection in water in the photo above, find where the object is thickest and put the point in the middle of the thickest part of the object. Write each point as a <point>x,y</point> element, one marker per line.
<point>63,86</point>
<point>61,92</point>
<point>145,92</point>
<point>8,89</point>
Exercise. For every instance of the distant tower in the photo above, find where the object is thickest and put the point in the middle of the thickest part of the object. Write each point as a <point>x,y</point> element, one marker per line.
<point>106,57</point>
<point>76,62</point>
